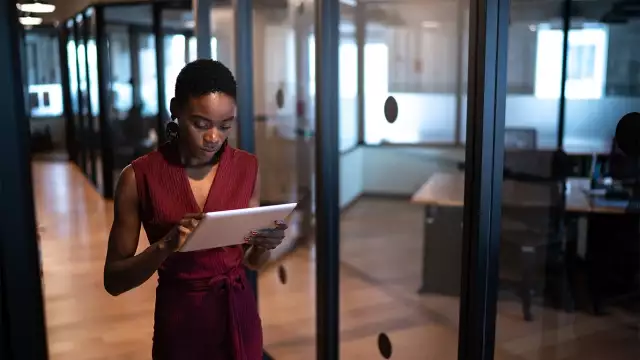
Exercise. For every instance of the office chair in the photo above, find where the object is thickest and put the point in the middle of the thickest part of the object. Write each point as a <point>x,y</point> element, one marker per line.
<point>533,237</point>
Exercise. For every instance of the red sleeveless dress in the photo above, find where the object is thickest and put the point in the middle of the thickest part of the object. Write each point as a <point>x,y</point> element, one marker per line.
<point>205,308</point>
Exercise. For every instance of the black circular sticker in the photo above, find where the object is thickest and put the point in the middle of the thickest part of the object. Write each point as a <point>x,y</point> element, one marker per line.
<point>280,98</point>
<point>384,345</point>
<point>391,109</point>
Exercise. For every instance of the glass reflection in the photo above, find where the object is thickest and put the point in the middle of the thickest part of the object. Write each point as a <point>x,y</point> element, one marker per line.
<point>133,95</point>
<point>570,245</point>
<point>400,259</point>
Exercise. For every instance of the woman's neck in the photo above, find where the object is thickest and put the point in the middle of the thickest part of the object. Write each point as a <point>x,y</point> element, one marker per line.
<point>189,161</point>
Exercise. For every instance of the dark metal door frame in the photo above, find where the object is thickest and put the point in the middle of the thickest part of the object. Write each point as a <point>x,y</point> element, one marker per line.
<point>488,30</point>
<point>21,310</point>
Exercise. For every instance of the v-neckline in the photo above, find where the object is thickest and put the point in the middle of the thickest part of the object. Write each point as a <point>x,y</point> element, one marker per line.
<point>187,184</point>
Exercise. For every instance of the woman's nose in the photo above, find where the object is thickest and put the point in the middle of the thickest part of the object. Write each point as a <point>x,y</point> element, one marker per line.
<point>211,136</point>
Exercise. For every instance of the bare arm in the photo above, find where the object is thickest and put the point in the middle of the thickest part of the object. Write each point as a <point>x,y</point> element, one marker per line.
<point>123,269</point>
<point>255,257</point>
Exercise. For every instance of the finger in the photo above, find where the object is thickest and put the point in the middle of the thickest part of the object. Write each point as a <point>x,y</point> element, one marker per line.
<point>281,225</point>
<point>265,241</point>
<point>191,223</point>
<point>268,232</point>
<point>274,234</point>
<point>184,230</point>
<point>197,216</point>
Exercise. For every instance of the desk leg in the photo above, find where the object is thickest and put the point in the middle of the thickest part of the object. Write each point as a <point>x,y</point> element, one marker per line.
<point>427,220</point>
<point>442,251</point>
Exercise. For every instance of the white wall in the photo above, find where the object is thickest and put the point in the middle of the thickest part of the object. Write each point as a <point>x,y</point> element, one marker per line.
<point>392,170</point>
<point>351,175</point>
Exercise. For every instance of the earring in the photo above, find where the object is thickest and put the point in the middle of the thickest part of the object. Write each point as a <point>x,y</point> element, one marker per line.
<point>172,130</point>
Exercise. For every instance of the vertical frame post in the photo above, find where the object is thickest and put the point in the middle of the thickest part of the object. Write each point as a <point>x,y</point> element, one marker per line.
<point>79,116</point>
<point>327,39</point>
<point>488,30</point>
<point>22,311</point>
<point>361,41</point>
<point>104,80</point>
<point>88,118</point>
<point>203,28</point>
<point>243,11</point>
<point>70,140</point>
<point>158,34</point>
<point>459,89</point>
<point>566,26</point>
<point>244,79</point>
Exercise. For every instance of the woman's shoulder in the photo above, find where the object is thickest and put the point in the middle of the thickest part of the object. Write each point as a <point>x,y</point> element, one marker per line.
<point>242,156</point>
<point>161,155</point>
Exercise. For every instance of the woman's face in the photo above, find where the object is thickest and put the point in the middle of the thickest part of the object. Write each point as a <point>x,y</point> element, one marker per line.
<point>205,122</point>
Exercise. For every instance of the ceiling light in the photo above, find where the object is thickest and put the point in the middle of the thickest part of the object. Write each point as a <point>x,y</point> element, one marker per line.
<point>37,6</point>
<point>430,24</point>
<point>30,21</point>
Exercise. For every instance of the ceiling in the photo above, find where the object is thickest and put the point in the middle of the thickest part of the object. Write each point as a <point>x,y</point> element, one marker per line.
<point>423,10</point>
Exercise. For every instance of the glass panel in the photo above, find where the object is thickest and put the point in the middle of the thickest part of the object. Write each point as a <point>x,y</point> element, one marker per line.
<point>569,282</point>
<point>148,75</point>
<point>284,146</point>
<point>85,124</point>
<point>133,83</point>
<point>417,60</point>
<point>73,91</point>
<point>193,51</point>
<point>176,23</point>
<point>43,73</point>
<point>400,270</point>
<point>94,116</point>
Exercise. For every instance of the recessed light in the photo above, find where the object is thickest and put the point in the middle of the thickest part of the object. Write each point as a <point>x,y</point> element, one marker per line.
<point>37,7</point>
<point>30,20</point>
<point>430,24</point>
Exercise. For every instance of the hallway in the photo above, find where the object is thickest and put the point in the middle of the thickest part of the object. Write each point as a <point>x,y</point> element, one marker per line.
<point>379,275</point>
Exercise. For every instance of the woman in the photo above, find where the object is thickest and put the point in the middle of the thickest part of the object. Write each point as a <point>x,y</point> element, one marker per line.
<point>205,309</point>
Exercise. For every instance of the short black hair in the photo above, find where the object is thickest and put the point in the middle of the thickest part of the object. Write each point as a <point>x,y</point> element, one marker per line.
<point>204,76</point>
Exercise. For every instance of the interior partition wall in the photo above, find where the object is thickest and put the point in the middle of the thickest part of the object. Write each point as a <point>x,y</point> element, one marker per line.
<point>22,330</point>
<point>121,63</point>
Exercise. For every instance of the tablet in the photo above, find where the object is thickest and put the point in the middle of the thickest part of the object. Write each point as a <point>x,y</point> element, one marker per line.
<point>227,228</point>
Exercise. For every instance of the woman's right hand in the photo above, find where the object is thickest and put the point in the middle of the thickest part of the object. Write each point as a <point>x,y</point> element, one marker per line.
<point>179,235</point>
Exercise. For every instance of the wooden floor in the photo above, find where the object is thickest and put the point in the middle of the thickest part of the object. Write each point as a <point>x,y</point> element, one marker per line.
<point>381,245</point>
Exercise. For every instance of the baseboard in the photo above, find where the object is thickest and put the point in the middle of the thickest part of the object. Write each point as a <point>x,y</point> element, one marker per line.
<point>360,196</point>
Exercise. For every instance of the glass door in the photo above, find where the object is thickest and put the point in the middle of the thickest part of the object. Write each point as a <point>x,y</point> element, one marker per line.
<point>133,85</point>
<point>94,105</point>
<point>74,94</point>
<point>570,246</point>
<point>85,109</point>
<point>402,179</point>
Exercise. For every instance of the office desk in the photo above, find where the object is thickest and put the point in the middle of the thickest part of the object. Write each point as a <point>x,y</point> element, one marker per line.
<point>447,190</point>
<point>442,197</point>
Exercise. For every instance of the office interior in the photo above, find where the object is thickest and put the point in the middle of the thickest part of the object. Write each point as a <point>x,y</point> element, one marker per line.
<point>99,78</point>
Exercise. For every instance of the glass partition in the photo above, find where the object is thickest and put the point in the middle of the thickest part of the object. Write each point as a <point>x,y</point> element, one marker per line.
<point>402,206</point>
<point>42,63</point>
<point>417,60</point>
<point>284,116</point>
<point>73,89</point>
<point>133,84</point>
<point>603,74</point>
<point>94,111</point>
<point>85,98</point>
<point>570,246</point>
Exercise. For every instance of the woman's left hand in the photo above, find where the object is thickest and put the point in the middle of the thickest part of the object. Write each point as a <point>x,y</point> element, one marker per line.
<point>267,239</point>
